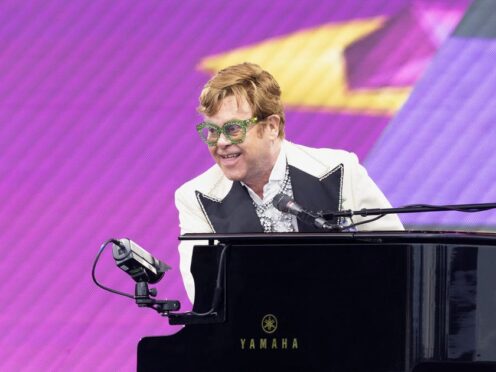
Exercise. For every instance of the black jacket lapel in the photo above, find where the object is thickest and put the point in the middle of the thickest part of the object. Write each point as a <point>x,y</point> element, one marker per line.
<point>234,214</point>
<point>316,194</point>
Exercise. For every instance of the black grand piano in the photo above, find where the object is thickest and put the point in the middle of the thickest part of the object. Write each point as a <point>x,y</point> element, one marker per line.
<point>371,302</point>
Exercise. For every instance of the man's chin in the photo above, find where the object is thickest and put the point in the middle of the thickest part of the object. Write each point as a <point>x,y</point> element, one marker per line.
<point>233,176</point>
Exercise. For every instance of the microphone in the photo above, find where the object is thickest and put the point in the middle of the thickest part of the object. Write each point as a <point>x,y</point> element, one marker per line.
<point>287,205</point>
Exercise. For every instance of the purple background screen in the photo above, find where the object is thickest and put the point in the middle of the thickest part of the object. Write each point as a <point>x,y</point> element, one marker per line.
<point>97,115</point>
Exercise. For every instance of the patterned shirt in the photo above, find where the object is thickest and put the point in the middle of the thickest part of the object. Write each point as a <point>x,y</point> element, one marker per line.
<point>273,220</point>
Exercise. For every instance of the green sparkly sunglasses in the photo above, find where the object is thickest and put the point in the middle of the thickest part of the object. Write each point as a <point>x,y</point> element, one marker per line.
<point>233,130</point>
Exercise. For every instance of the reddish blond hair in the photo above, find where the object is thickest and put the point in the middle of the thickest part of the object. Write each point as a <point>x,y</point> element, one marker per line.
<point>249,81</point>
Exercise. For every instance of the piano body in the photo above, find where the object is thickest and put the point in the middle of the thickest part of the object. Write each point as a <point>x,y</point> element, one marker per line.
<point>372,302</point>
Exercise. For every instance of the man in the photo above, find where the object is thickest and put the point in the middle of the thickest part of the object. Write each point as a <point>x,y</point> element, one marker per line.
<point>244,130</point>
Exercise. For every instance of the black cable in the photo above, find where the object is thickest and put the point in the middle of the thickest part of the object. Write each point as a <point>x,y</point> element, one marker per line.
<point>363,222</point>
<point>102,247</point>
<point>218,286</point>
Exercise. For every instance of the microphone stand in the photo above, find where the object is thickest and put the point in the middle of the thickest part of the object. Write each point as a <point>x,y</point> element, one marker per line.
<point>417,208</point>
<point>143,297</point>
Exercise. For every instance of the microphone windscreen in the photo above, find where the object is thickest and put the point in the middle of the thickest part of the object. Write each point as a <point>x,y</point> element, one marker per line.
<point>281,202</point>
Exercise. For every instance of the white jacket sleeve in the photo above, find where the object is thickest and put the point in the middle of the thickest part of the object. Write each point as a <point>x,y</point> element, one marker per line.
<point>364,193</point>
<point>191,220</point>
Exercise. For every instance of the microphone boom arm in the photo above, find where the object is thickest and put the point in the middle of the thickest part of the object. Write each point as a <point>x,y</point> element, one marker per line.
<point>417,208</point>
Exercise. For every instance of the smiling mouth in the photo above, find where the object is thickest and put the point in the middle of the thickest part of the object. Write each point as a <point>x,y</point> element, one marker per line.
<point>229,156</point>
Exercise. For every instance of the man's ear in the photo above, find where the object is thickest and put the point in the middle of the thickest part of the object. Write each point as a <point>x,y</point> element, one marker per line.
<point>273,122</point>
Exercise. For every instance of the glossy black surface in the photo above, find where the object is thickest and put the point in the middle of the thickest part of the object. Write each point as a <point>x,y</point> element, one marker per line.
<point>352,302</point>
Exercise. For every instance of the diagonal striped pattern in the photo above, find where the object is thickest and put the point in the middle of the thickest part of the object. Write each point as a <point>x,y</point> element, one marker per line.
<point>440,148</point>
<point>97,107</point>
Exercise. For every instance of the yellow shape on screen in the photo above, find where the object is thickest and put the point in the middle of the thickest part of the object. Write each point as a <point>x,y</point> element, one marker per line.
<point>310,67</point>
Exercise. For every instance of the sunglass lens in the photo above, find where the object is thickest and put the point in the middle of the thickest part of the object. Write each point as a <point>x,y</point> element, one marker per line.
<point>209,134</point>
<point>234,131</point>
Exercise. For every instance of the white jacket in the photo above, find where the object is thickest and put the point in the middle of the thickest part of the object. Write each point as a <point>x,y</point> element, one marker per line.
<point>321,179</point>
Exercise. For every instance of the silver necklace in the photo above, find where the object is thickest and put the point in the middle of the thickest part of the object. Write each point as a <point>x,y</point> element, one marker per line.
<point>273,220</point>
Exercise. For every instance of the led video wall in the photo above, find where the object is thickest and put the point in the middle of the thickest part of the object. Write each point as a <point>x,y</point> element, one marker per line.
<point>97,130</point>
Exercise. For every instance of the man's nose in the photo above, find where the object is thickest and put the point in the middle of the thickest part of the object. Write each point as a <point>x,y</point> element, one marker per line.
<point>223,140</point>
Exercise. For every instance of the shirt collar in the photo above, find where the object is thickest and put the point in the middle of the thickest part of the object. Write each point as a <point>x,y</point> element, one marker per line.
<point>276,177</point>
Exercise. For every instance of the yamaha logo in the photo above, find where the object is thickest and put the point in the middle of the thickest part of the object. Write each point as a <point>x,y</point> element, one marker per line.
<point>269,323</point>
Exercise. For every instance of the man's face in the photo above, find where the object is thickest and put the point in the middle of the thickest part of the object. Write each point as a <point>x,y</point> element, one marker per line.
<point>252,160</point>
